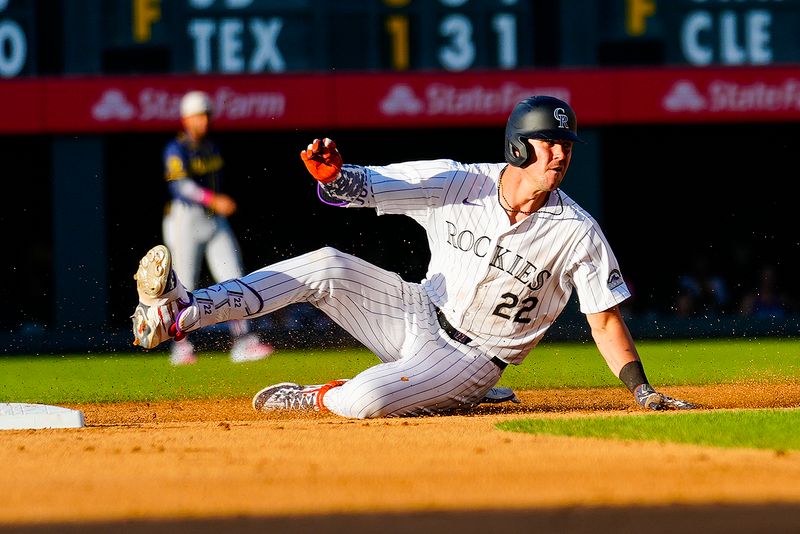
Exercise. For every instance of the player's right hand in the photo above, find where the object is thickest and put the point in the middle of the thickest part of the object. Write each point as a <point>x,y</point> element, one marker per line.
<point>223,205</point>
<point>322,160</point>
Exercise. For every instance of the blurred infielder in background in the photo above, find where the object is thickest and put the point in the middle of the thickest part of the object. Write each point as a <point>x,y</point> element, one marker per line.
<point>195,221</point>
<point>507,249</point>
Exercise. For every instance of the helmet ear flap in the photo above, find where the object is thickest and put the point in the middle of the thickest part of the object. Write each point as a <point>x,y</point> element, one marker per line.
<point>519,157</point>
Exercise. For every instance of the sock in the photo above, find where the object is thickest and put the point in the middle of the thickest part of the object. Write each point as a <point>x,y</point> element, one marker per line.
<point>229,300</point>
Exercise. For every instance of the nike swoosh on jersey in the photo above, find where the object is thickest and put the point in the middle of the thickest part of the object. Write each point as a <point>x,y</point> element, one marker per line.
<point>467,202</point>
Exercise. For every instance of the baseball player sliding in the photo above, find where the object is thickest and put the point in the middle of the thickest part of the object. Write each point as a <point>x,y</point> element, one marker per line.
<point>507,249</point>
<point>195,221</point>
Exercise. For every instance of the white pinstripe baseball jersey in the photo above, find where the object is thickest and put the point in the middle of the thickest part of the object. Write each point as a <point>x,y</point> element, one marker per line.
<point>503,285</point>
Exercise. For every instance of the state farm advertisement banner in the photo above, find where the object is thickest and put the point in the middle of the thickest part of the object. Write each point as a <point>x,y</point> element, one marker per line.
<point>475,99</point>
<point>725,95</point>
<point>152,104</point>
<point>380,100</point>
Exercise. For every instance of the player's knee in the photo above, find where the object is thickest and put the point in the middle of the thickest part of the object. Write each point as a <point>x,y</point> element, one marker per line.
<point>356,401</point>
<point>375,406</point>
<point>329,259</point>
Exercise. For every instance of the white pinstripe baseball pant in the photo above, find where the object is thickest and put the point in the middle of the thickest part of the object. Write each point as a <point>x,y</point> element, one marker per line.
<point>422,369</point>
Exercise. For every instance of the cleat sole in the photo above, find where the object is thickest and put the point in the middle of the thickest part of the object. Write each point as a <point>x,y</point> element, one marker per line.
<point>153,272</point>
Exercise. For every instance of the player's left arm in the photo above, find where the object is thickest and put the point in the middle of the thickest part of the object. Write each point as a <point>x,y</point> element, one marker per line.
<point>337,184</point>
<point>408,188</point>
<point>615,343</point>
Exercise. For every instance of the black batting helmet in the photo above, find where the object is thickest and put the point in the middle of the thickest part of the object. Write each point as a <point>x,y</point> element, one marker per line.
<point>538,117</point>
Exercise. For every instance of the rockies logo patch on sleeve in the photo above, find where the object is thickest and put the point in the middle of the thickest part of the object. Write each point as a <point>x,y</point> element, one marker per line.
<point>614,279</point>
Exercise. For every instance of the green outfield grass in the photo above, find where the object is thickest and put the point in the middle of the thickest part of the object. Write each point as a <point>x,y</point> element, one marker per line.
<point>148,376</point>
<point>761,429</point>
<point>665,362</point>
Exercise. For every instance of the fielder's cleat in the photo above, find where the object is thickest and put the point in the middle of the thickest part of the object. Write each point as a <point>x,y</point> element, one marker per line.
<point>291,396</point>
<point>182,353</point>
<point>162,300</point>
<point>248,348</point>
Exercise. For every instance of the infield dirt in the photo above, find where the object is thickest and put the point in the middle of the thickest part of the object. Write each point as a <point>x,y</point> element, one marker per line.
<point>213,466</point>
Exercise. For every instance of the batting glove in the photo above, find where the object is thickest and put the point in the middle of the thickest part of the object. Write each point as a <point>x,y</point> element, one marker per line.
<point>650,399</point>
<point>322,160</point>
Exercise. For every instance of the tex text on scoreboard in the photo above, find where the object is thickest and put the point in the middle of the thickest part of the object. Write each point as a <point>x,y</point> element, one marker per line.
<point>250,36</point>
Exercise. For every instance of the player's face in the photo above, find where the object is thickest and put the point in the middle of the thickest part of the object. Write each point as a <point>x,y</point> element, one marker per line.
<point>196,125</point>
<point>550,164</point>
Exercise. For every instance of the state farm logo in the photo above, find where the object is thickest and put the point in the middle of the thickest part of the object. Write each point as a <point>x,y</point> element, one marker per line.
<point>444,99</point>
<point>734,97</point>
<point>113,105</point>
<point>157,104</point>
<point>401,100</point>
<point>683,96</point>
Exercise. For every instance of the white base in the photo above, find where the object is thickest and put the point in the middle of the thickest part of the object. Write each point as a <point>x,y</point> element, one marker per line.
<point>19,415</point>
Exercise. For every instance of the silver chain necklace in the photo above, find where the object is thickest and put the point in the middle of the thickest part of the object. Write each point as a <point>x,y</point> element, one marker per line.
<point>509,209</point>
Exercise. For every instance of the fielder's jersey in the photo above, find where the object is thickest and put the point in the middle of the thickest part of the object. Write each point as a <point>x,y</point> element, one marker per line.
<point>201,162</point>
<point>501,284</point>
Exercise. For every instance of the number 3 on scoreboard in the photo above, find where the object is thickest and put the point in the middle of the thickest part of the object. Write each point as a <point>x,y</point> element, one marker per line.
<point>459,51</point>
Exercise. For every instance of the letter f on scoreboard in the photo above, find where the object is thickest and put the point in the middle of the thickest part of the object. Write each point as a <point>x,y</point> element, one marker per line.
<point>145,14</point>
<point>636,15</point>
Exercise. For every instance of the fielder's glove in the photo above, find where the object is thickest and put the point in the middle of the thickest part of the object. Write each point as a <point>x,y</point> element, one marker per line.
<point>650,399</point>
<point>322,160</point>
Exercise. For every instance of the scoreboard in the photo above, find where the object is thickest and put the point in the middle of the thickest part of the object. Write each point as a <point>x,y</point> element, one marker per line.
<point>761,32</point>
<point>702,32</point>
<point>17,26</point>
<point>58,37</point>
<point>252,36</point>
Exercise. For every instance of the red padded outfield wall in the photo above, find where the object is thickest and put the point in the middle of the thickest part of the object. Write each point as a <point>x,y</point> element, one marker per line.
<point>379,100</point>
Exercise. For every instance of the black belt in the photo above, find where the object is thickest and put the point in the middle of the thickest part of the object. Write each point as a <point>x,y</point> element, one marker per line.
<point>461,337</point>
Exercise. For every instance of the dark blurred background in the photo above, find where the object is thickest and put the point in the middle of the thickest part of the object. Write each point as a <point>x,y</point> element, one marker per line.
<point>699,213</point>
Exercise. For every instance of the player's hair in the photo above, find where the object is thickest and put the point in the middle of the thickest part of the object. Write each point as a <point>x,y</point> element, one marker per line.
<point>538,117</point>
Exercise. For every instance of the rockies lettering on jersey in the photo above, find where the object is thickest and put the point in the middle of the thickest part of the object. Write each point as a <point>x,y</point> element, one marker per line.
<point>465,241</point>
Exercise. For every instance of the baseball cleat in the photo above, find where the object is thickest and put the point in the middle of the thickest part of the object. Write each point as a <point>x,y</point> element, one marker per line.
<point>648,398</point>
<point>668,403</point>
<point>291,396</point>
<point>162,300</point>
<point>249,348</point>
<point>182,353</point>
<point>497,395</point>
<point>283,396</point>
